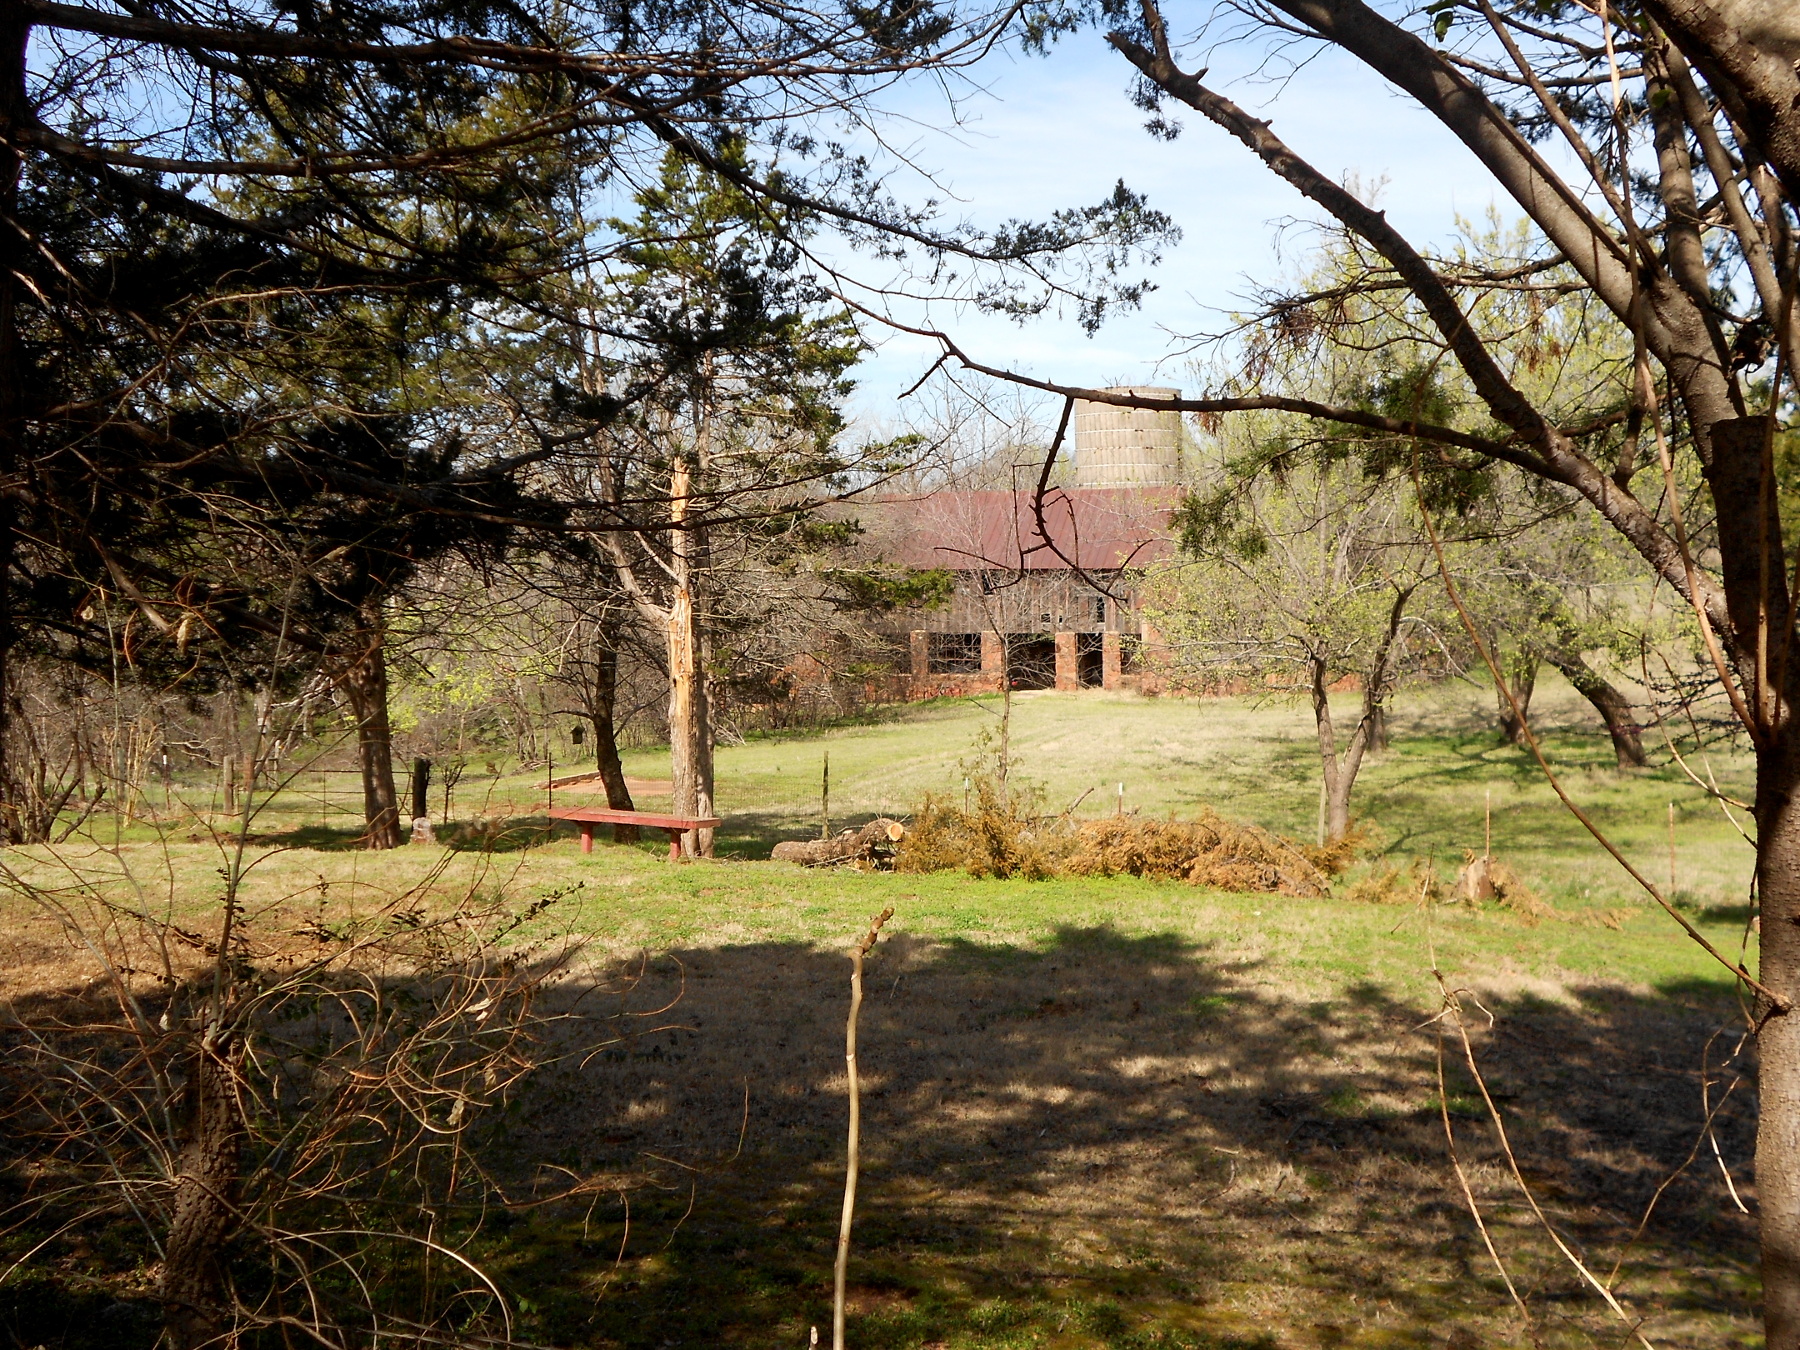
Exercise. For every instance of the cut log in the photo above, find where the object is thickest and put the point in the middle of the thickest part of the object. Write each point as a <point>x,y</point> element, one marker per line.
<point>874,841</point>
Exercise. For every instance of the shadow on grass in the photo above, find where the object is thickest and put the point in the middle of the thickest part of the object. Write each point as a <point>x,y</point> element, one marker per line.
<point>503,835</point>
<point>746,834</point>
<point>499,834</point>
<point>1102,1140</point>
<point>325,838</point>
<point>1120,1141</point>
<point>1737,916</point>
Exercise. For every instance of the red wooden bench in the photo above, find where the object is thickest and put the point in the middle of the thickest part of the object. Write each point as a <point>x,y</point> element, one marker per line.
<point>589,816</point>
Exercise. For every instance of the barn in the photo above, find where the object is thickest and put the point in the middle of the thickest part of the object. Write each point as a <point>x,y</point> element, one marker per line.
<point>1043,598</point>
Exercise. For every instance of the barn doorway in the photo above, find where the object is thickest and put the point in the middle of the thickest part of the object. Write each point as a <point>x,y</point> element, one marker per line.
<point>1031,661</point>
<point>1090,660</point>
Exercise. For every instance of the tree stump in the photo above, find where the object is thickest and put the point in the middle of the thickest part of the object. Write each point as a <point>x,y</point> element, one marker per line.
<point>1475,883</point>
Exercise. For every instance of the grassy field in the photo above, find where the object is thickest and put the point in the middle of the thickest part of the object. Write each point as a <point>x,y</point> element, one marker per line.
<point>1425,798</point>
<point>1099,1112</point>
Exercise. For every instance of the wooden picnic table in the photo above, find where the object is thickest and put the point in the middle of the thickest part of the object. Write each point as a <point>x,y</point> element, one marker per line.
<point>589,816</point>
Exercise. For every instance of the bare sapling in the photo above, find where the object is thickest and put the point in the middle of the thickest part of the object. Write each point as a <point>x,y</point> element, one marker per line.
<point>1003,763</point>
<point>1671,849</point>
<point>1452,1012</point>
<point>275,1120</point>
<point>853,1152</point>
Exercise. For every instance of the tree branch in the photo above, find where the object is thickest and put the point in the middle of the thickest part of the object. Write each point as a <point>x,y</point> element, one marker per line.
<point>1556,456</point>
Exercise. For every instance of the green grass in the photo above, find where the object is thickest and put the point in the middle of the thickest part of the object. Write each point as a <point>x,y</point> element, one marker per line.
<point>1101,1112</point>
<point>1425,798</point>
<point>626,898</point>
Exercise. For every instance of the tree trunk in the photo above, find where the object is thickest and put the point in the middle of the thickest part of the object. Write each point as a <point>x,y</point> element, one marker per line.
<point>226,723</point>
<point>602,702</point>
<point>703,732</point>
<point>699,563</point>
<point>1371,728</point>
<point>1378,684</point>
<point>1521,678</point>
<point>1377,716</point>
<point>1749,525</point>
<point>690,758</point>
<point>1778,1037</point>
<point>205,1207</point>
<point>1614,708</point>
<point>875,840</point>
<point>365,683</point>
<point>15,113</point>
<point>1339,770</point>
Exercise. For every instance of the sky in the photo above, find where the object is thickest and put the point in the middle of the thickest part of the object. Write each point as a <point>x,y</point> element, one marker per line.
<point>1060,130</point>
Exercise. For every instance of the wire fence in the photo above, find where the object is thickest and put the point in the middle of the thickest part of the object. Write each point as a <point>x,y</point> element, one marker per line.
<point>326,798</point>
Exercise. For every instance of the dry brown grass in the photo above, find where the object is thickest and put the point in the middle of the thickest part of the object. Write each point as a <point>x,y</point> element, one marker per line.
<point>1397,884</point>
<point>1207,850</point>
<point>1512,892</point>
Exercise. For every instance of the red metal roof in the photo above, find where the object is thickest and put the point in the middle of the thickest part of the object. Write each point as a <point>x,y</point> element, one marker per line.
<point>1092,528</point>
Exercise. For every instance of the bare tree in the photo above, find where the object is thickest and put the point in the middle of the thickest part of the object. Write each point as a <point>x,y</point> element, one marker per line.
<point>1301,587</point>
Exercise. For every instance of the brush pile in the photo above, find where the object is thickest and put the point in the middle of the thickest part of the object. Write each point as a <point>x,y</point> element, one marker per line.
<point>1000,834</point>
<point>1207,850</point>
<point>1483,880</point>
